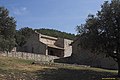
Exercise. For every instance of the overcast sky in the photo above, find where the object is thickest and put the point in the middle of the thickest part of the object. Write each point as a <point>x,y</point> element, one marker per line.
<point>63,15</point>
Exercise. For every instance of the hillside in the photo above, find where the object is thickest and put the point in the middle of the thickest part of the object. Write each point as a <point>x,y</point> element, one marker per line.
<point>56,33</point>
<point>19,69</point>
<point>23,34</point>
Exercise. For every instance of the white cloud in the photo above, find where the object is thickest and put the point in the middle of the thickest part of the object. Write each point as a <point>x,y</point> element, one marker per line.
<point>20,11</point>
<point>24,8</point>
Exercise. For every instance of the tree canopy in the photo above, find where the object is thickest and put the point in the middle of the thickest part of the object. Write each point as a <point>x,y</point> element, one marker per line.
<point>101,32</point>
<point>23,34</point>
<point>55,33</point>
<point>7,30</point>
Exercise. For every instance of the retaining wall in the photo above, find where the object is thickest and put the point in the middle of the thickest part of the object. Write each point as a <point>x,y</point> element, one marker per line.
<point>31,56</point>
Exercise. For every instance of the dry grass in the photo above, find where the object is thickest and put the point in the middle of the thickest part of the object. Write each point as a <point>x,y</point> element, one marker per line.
<point>20,64</point>
<point>16,69</point>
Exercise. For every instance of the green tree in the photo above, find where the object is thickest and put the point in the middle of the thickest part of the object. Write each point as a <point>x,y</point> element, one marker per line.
<point>22,35</point>
<point>7,30</point>
<point>55,33</point>
<point>101,33</point>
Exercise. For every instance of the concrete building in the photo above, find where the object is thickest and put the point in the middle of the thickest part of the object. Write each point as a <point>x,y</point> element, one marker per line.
<point>47,45</point>
<point>85,57</point>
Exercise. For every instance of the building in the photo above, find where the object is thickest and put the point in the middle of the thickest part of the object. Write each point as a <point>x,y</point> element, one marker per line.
<point>47,45</point>
<point>85,57</point>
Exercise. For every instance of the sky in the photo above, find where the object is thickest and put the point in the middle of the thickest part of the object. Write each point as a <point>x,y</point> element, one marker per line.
<point>63,15</point>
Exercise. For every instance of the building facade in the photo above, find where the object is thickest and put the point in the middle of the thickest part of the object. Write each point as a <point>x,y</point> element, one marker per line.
<point>85,57</point>
<point>48,45</point>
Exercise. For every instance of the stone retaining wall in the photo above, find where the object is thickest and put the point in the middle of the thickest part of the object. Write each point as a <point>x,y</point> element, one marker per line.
<point>31,56</point>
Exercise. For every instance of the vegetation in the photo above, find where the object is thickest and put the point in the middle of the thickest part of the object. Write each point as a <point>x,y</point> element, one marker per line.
<point>7,30</point>
<point>23,34</point>
<point>56,33</point>
<point>20,69</point>
<point>101,32</point>
<point>10,37</point>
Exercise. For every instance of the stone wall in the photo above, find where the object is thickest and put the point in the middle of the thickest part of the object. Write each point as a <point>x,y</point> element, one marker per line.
<point>67,47</point>
<point>47,40</point>
<point>85,57</point>
<point>33,45</point>
<point>39,43</point>
<point>31,56</point>
<point>60,42</point>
